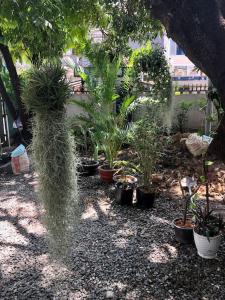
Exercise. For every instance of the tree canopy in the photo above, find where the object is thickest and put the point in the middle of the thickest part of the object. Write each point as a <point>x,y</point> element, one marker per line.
<point>39,30</point>
<point>198,27</point>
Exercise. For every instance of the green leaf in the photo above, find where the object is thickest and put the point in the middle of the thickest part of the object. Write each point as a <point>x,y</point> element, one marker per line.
<point>202,179</point>
<point>209,163</point>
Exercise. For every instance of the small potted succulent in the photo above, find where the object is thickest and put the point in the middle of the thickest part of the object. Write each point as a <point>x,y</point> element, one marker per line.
<point>125,183</point>
<point>207,232</point>
<point>146,145</point>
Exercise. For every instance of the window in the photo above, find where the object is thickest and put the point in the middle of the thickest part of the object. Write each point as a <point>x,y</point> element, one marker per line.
<point>179,51</point>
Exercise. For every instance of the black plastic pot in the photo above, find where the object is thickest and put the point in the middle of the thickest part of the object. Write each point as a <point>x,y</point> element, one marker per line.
<point>184,235</point>
<point>5,158</point>
<point>124,194</point>
<point>145,200</point>
<point>88,167</point>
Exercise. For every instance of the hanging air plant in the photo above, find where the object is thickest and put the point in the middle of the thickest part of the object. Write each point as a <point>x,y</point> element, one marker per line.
<point>45,94</point>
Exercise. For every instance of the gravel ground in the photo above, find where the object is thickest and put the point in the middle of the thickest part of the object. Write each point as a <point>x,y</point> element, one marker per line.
<point>118,252</point>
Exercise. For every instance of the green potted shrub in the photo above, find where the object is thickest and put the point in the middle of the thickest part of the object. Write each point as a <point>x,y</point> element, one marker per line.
<point>88,162</point>
<point>208,227</point>
<point>146,144</point>
<point>183,226</point>
<point>125,183</point>
<point>107,125</point>
<point>207,232</point>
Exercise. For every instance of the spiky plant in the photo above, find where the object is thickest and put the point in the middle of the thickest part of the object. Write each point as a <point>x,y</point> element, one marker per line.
<point>45,94</point>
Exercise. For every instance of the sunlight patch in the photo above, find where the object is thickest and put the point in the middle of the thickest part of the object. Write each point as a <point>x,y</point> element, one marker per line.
<point>90,213</point>
<point>162,253</point>
<point>11,234</point>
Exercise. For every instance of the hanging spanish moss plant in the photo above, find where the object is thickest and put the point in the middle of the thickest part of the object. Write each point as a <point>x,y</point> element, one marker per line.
<point>45,94</point>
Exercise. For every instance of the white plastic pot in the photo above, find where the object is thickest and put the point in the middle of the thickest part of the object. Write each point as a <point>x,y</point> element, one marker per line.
<point>207,248</point>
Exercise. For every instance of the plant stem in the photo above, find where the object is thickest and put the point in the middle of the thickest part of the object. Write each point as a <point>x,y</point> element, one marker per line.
<point>205,169</point>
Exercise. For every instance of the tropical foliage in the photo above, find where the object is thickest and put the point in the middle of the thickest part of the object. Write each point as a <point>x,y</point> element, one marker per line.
<point>106,127</point>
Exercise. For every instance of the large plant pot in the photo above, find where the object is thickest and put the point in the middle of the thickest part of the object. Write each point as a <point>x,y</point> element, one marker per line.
<point>5,158</point>
<point>106,174</point>
<point>145,198</point>
<point>125,185</point>
<point>183,233</point>
<point>124,196</point>
<point>88,167</point>
<point>207,248</point>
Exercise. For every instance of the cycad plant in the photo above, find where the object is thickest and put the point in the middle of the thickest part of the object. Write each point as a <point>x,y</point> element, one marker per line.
<point>45,94</point>
<point>106,126</point>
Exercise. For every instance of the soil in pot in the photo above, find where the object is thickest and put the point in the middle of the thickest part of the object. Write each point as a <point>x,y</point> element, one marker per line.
<point>106,174</point>
<point>183,232</point>
<point>128,179</point>
<point>124,194</point>
<point>145,197</point>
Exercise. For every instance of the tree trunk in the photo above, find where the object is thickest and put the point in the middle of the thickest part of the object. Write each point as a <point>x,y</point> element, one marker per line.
<point>7,100</point>
<point>198,27</point>
<point>15,82</point>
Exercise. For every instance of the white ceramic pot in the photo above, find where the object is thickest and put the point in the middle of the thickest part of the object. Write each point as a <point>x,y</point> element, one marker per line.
<point>207,248</point>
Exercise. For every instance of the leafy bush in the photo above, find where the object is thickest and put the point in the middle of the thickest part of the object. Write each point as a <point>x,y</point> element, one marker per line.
<point>146,144</point>
<point>107,128</point>
<point>207,224</point>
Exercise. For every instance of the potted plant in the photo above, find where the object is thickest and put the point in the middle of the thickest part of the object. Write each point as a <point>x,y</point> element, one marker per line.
<point>89,164</point>
<point>183,226</point>
<point>125,183</point>
<point>111,143</point>
<point>86,145</point>
<point>107,124</point>
<point>146,144</point>
<point>207,232</point>
<point>208,227</point>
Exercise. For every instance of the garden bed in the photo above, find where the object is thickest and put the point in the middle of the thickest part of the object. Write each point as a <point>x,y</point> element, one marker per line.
<point>118,252</point>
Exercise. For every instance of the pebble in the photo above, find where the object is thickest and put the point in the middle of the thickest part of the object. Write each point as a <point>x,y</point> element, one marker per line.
<point>128,254</point>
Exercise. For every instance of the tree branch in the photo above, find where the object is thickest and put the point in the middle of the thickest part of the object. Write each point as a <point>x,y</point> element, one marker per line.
<point>12,74</point>
<point>7,100</point>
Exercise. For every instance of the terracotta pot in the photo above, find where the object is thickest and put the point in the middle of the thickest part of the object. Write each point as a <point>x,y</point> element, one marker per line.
<point>207,248</point>
<point>106,175</point>
<point>183,233</point>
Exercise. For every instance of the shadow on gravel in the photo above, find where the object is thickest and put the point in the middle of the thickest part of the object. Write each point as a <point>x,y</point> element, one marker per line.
<point>25,284</point>
<point>118,253</point>
<point>132,254</point>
